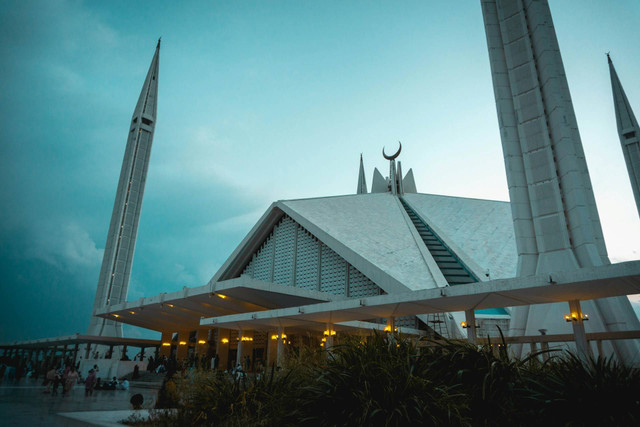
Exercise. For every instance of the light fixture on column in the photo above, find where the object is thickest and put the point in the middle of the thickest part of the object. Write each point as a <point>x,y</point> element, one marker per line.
<point>465,325</point>
<point>573,317</point>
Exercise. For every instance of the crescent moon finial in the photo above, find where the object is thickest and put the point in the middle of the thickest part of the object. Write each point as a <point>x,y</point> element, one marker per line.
<point>392,157</point>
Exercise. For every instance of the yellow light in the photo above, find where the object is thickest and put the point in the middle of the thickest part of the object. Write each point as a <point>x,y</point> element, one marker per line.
<point>221,296</point>
<point>170,305</point>
<point>574,317</point>
<point>274,337</point>
<point>224,340</point>
<point>327,332</point>
<point>463,324</point>
<point>116,315</point>
<point>132,312</point>
<point>202,342</point>
<point>247,338</point>
<point>324,339</point>
<point>283,336</point>
<point>183,343</point>
<point>166,344</point>
<point>387,328</point>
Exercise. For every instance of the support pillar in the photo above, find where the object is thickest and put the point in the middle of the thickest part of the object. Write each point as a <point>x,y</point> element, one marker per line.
<point>582,346</point>
<point>183,345</point>
<point>222,348</point>
<point>470,317</point>
<point>165,346</point>
<point>245,348</point>
<point>87,351</point>
<point>272,347</point>
<point>329,335</point>
<point>391,325</point>
<point>202,342</point>
<point>75,354</point>
<point>280,350</point>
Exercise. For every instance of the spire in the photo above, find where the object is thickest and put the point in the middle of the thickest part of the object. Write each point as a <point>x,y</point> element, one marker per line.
<point>628,131</point>
<point>147,103</point>
<point>362,182</point>
<point>113,283</point>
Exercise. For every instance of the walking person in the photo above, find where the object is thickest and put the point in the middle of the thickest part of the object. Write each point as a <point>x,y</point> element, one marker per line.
<point>70,380</point>
<point>90,383</point>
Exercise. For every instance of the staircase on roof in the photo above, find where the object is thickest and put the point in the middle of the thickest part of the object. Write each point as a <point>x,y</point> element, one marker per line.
<point>451,267</point>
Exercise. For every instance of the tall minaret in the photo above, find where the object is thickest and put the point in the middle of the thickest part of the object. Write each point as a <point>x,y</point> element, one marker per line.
<point>556,222</point>
<point>362,182</point>
<point>629,132</point>
<point>113,283</point>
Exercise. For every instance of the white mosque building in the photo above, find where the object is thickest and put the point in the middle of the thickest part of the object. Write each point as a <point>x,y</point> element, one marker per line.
<point>395,259</point>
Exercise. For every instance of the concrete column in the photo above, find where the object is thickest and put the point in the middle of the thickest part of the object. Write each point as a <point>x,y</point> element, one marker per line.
<point>87,351</point>
<point>75,354</point>
<point>142,354</point>
<point>280,350</point>
<point>222,348</point>
<point>183,345</point>
<point>470,317</point>
<point>245,347</point>
<point>202,341</point>
<point>329,335</point>
<point>165,346</point>
<point>272,347</point>
<point>391,325</point>
<point>52,354</point>
<point>582,346</point>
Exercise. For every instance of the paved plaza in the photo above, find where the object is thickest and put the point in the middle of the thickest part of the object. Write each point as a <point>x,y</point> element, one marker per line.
<point>25,403</point>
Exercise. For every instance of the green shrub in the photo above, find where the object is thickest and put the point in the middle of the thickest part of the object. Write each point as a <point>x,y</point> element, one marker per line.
<point>384,380</point>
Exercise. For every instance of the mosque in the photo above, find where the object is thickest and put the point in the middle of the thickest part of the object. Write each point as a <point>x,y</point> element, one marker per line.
<point>393,258</point>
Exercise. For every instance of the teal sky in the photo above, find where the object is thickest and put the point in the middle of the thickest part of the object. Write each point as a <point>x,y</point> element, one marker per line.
<point>258,101</point>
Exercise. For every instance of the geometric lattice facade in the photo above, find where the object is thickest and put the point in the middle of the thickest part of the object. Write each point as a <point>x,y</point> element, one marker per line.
<point>292,256</point>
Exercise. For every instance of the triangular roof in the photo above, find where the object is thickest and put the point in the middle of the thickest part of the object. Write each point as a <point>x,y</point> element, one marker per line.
<point>373,233</point>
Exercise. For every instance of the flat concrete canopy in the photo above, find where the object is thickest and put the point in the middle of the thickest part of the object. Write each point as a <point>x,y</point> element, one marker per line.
<point>183,310</point>
<point>79,339</point>
<point>582,284</point>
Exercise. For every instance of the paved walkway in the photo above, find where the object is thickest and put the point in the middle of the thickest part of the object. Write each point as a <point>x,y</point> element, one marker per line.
<point>25,404</point>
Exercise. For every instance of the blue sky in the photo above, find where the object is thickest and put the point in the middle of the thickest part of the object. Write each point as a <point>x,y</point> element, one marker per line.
<point>258,101</point>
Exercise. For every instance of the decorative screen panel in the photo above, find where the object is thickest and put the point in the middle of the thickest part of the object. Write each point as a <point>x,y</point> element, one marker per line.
<point>307,261</point>
<point>285,244</point>
<point>333,277</point>
<point>360,285</point>
<point>297,258</point>
<point>261,268</point>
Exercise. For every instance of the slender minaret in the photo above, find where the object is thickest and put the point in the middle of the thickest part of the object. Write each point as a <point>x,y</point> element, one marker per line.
<point>556,222</point>
<point>629,132</point>
<point>113,283</point>
<point>362,182</point>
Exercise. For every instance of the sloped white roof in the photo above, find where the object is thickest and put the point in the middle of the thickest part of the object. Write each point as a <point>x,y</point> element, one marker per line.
<point>483,229</point>
<point>371,227</point>
<point>374,234</point>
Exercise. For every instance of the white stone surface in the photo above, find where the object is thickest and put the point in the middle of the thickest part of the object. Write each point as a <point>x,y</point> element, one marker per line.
<point>371,228</point>
<point>113,283</point>
<point>628,131</point>
<point>555,216</point>
<point>483,229</point>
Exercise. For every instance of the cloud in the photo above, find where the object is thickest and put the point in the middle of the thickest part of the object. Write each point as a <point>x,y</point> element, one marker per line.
<point>68,248</point>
